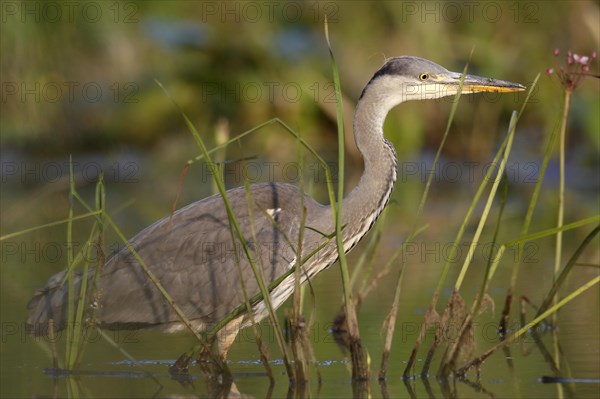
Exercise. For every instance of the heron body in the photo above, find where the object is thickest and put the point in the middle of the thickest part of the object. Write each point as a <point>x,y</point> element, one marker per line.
<point>191,251</point>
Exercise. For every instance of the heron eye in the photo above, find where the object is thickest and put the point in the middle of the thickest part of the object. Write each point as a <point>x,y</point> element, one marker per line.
<point>424,76</point>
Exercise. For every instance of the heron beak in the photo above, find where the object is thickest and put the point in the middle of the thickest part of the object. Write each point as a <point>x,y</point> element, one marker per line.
<point>478,84</point>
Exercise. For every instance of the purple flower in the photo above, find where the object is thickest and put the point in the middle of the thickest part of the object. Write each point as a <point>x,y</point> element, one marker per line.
<point>576,68</point>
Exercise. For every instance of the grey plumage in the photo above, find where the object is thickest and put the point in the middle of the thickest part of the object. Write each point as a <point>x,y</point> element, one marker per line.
<point>192,254</point>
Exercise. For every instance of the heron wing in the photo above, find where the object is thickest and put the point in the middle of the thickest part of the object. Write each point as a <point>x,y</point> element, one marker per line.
<point>192,254</point>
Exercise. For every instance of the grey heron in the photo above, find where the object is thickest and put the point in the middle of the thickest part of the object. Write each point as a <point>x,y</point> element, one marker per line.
<point>191,251</point>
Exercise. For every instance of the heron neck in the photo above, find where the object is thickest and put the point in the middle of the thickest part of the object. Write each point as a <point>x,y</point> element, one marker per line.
<point>363,205</point>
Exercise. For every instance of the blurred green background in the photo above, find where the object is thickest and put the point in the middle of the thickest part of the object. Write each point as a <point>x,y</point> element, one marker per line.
<point>79,79</point>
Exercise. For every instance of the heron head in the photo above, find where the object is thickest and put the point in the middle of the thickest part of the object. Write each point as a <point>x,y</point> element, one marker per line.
<point>412,78</point>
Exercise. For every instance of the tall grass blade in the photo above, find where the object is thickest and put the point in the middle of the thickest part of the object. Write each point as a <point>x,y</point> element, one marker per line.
<point>51,224</point>
<point>525,228</point>
<point>360,369</point>
<point>561,278</point>
<point>488,205</point>
<point>261,347</point>
<point>561,182</point>
<point>70,283</point>
<point>561,208</point>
